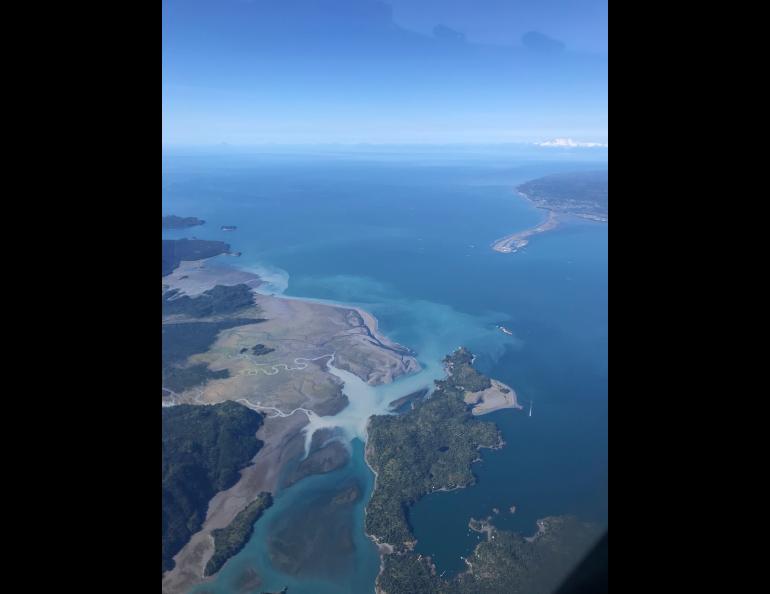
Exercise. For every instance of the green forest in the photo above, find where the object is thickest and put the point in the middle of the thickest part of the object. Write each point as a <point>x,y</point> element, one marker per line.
<point>204,448</point>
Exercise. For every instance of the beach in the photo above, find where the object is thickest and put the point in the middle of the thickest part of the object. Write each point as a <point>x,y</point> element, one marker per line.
<point>497,397</point>
<point>516,241</point>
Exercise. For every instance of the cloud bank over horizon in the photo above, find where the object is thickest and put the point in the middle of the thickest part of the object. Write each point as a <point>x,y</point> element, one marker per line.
<point>570,143</point>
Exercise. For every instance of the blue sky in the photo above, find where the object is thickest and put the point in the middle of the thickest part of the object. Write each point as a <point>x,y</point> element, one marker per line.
<point>402,71</point>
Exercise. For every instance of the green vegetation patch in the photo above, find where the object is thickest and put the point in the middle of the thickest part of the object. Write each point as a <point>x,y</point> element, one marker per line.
<point>431,447</point>
<point>428,448</point>
<point>184,339</point>
<point>176,250</point>
<point>463,375</point>
<point>204,448</point>
<point>261,349</point>
<point>179,379</point>
<point>219,300</point>
<point>230,540</point>
<point>506,563</point>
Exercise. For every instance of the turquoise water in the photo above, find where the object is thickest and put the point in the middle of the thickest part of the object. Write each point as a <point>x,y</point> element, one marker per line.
<point>345,560</point>
<point>408,238</point>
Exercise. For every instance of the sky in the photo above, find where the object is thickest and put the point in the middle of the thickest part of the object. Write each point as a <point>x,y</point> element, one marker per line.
<point>247,72</point>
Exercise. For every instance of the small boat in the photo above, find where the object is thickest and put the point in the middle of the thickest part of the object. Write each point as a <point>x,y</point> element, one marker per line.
<point>504,330</point>
<point>530,408</point>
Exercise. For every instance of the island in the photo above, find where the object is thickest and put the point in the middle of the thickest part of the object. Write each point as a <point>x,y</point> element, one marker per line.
<point>230,540</point>
<point>259,350</point>
<point>175,222</point>
<point>430,447</point>
<point>581,194</point>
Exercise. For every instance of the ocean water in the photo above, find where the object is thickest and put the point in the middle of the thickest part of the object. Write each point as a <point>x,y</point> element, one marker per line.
<point>407,236</point>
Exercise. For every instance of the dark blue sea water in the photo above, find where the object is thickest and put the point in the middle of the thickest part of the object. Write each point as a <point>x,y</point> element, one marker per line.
<point>407,236</point>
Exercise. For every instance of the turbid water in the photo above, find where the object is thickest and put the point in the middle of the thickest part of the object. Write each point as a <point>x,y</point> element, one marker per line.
<point>407,236</point>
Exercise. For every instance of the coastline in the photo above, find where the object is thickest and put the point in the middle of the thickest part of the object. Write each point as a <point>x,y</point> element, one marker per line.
<point>281,444</point>
<point>387,548</point>
<point>367,353</point>
<point>369,321</point>
<point>504,397</point>
<point>373,324</point>
<point>383,548</point>
<point>516,241</point>
<point>498,397</point>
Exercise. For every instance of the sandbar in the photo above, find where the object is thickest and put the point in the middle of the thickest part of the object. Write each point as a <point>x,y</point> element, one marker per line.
<point>516,241</point>
<point>497,397</point>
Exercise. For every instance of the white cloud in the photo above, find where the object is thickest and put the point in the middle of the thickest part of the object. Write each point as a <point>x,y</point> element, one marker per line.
<point>569,143</point>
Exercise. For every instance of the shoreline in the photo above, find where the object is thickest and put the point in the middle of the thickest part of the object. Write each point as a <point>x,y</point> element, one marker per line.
<point>281,433</point>
<point>383,548</point>
<point>499,396</point>
<point>387,548</point>
<point>369,320</point>
<point>263,473</point>
<point>510,244</point>
<point>192,278</point>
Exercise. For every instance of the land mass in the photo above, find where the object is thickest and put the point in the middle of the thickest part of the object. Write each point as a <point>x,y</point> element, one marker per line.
<point>428,448</point>
<point>496,397</point>
<point>230,540</point>
<point>174,251</point>
<point>219,300</point>
<point>276,350</point>
<point>431,447</point>
<point>225,343</point>
<point>175,222</point>
<point>504,562</point>
<point>582,194</point>
<point>204,448</point>
<point>516,241</point>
